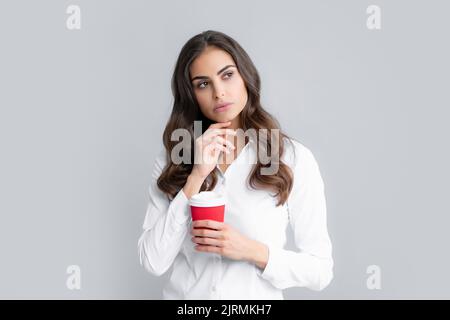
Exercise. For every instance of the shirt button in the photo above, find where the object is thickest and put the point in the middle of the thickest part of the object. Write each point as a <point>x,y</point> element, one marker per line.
<point>213,288</point>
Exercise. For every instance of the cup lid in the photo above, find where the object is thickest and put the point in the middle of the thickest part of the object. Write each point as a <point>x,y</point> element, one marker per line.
<point>207,199</point>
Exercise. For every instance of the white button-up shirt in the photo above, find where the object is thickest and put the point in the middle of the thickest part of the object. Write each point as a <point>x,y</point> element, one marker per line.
<point>166,240</point>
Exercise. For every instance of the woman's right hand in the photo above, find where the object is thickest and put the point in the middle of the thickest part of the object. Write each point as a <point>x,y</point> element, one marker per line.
<point>208,146</point>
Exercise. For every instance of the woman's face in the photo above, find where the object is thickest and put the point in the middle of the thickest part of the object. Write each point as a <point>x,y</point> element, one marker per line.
<point>216,81</point>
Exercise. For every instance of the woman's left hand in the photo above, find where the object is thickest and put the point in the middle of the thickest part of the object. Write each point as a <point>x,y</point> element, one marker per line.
<point>224,240</point>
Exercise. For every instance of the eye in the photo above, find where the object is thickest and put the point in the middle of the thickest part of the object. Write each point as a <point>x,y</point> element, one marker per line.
<point>229,74</point>
<point>202,84</point>
<point>199,85</point>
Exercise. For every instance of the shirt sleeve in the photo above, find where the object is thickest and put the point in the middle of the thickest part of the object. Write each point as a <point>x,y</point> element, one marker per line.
<point>312,266</point>
<point>165,225</point>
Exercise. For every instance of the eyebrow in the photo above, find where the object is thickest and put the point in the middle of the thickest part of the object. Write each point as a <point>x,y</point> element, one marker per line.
<point>218,72</point>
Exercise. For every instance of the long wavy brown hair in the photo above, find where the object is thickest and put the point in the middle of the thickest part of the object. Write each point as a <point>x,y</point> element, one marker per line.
<point>253,116</point>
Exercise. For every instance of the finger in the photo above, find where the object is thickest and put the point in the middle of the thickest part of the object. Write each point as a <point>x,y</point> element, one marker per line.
<point>217,126</point>
<point>220,124</point>
<point>224,141</point>
<point>225,132</point>
<point>217,148</point>
<point>210,249</point>
<point>209,233</point>
<point>210,133</point>
<point>207,241</point>
<point>213,224</point>
<point>221,148</point>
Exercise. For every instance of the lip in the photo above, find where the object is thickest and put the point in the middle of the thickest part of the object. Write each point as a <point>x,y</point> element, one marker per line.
<point>222,107</point>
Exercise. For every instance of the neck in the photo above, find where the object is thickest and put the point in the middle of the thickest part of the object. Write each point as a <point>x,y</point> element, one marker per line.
<point>235,123</point>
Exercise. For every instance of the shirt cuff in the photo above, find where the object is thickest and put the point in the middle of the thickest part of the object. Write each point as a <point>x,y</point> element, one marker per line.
<point>179,208</point>
<point>274,263</point>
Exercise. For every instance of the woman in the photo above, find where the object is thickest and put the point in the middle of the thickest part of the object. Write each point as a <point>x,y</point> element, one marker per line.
<point>215,82</point>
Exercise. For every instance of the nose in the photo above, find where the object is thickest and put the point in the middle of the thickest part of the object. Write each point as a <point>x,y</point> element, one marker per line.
<point>219,92</point>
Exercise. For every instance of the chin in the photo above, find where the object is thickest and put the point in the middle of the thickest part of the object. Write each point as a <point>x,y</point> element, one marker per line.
<point>225,119</point>
<point>228,115</point>
<point>221,118</point>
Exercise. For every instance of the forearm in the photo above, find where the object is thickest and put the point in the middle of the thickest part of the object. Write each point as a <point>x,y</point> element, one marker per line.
<point>193,185</point>
<point>165,228</point>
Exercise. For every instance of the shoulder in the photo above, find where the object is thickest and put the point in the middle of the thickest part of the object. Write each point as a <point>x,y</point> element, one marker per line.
<point>303,163</point>
<point>296,153</point>
<point>160,161</point>
<point>161,155</point>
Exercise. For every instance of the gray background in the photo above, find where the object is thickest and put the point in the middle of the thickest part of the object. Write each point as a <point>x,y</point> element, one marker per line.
<point>82,114</point>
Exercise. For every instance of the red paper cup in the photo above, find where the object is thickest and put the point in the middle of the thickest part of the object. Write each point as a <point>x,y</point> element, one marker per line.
<point>207,205</point>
